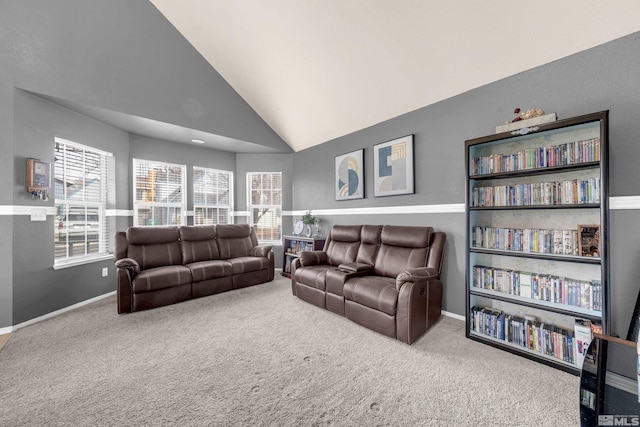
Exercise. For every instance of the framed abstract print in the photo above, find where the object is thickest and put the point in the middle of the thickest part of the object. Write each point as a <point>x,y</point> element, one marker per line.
<point>393,167</point>
<point>349,175</point>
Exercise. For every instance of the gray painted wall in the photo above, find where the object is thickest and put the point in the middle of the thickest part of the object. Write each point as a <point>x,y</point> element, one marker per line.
<point>605,77</point>
<point>37,288</point>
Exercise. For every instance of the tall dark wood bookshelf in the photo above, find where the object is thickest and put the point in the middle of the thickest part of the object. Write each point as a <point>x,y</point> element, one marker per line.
<point>537,253</point>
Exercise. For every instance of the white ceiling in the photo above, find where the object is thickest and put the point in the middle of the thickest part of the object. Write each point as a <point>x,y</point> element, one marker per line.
<point>316,70</point>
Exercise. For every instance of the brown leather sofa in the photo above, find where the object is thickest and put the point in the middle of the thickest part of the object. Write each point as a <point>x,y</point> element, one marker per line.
<point>386,278</point>
<point>157,266</point>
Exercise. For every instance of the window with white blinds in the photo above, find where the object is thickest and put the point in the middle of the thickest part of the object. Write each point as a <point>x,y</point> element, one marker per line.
<point>84,187</point>
<point>265,205</point>
<point>212,196</point>
<point>159,196</point>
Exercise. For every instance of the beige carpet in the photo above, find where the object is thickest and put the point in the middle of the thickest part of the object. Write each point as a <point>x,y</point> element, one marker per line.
<point>260,356</point>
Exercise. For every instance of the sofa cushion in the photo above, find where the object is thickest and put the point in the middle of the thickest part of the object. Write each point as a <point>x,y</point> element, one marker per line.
<point>314,276</point>
<point>405,236</point>
<point>154,279</point>
<point>235,240</point>
<point>247,264</point>
<point>212,269</point>
<point>154,246</point>
<point>378,293</point>
<point>152,235</point>
<point>343,244</point>
<point>198,243</point>
<point>401,248</point>
<point>369,244</point>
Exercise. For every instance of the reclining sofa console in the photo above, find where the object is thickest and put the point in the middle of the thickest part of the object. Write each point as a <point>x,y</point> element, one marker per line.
<point>386,278</point>
<point>157,266</point>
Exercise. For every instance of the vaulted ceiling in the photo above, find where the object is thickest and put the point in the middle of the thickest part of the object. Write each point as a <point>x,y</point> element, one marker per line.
<point>316,70</point>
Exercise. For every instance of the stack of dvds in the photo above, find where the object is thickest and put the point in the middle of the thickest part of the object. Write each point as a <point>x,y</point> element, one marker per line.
<point>543,287</point>
<point>569,192</point>
<point>571,153</point>
<point>527,332</point>
<point>528,240</point>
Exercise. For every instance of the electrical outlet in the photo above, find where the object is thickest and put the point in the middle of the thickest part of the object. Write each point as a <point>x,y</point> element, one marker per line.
<point>105,271</point>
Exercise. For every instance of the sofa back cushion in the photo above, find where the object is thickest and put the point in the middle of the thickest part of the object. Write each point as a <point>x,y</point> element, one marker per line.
<point>369,244</point>
<point>235,240</point>
<point>343,244</point>
<point>199,243</point>
<point>402,247</point>
<point>154,246</point>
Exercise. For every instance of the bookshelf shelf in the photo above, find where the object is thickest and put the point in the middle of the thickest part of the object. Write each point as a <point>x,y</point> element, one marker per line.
<point>511,208</point>
<point>534,255</point>
<point>537,237</point>
<point>538,171</point>
<point>546,305</point>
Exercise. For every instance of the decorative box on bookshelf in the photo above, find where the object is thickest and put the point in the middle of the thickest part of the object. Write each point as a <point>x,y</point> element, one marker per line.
<point>293,245</point>
<point>507,127</point>
<point>533,269</point>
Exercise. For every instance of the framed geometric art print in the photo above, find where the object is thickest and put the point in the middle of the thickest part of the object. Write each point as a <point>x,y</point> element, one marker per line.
<point>393,167</point>
<point>349,183</point>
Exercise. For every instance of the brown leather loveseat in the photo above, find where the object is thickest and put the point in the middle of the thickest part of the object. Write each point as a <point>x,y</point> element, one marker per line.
<point>386,278</point>
<point>157,266</point>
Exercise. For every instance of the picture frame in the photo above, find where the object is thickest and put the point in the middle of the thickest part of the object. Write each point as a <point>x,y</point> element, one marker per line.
<point>393,167</point>
<point>349,175</point>
<point>589,240</point>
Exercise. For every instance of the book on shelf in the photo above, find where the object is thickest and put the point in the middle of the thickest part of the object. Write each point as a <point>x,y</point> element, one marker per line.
<point>582,331</point>
<point>525,284</point>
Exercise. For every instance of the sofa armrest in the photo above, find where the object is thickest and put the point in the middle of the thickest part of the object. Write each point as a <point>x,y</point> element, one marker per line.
<point>416,275</point>
<point>308,258</point>
<point>129,264</point>
<point>295,264</point>
<point>355,267</point>
<point>262,250</point>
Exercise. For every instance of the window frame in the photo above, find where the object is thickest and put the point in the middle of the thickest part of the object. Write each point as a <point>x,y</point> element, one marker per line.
<point>250,207</point>
<point>66,204</point>
<point>182,205</point>
<point>205,206</point>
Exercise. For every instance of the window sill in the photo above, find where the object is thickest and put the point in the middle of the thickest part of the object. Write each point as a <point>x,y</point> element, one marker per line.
<point>81,261</point>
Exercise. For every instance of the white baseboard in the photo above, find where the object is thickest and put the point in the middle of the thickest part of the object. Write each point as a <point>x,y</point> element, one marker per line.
<point>453,315</point>
<point>10,329</point>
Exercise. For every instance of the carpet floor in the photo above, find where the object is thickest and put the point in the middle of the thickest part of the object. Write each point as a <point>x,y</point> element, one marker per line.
<point>260,356</point>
